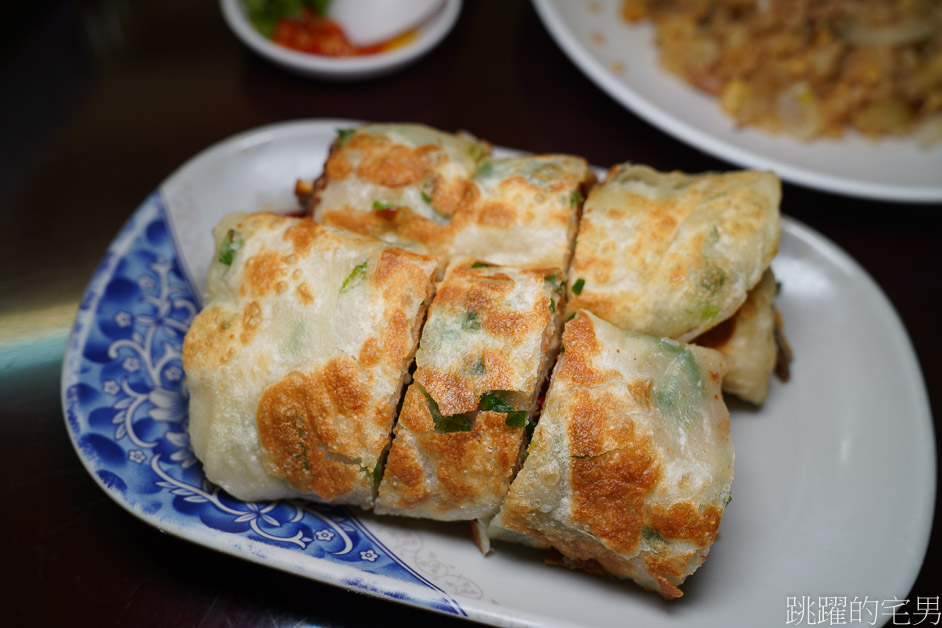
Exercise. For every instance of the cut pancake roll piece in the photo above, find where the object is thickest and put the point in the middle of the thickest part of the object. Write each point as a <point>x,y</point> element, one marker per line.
<point>402,183</point>
<point>747,340</point>
<point>630,466</point>
<point>443,194</point>
<point>526,211</point>
<point>486,348</point>
<point>296,365</point>
<point>672,254</point>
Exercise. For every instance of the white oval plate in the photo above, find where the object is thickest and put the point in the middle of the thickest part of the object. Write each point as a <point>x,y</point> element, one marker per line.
<point>835,474</point>
<point>622,59</point>
<point>345,68</point>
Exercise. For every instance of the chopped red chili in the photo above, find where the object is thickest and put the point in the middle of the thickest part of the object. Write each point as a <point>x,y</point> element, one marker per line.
<point>317,35</point>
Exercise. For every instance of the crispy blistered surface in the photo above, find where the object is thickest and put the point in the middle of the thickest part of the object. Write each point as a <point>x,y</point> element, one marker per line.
<point>302,424</point>
<point>670,254</point>
<point>448,476</point>
<point>489,329</point>
<point>402,183</point>
<point>526,210</point>
<point>748,342</point>
<point>295,366</point>
<point>631,463</point>
<point>441,193</point>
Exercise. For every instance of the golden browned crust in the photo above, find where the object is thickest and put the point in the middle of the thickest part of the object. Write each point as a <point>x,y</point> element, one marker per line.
<point>416,178</point>
<point>306,423</point>
<point>262,273</point>
<point>613,469</point>
<point>671,254</point>
<point>581,346</point>
<point>453,475</point>
<point>629,468</point>
<point>440,193</point>
<point>210,337</point>
<point>684,521</point>
<point>474,302</point>
<point>526,212</point>
<point>453,392</point>
<point>392,165</point>
<point>489,330</point>
<point>296,365</point>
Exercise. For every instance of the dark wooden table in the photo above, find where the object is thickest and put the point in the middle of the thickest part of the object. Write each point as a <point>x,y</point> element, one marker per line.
<point>102,99</point>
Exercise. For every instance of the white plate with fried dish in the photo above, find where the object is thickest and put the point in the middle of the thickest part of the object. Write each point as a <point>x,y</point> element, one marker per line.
<point>622,59</point>
<point>824,468</point>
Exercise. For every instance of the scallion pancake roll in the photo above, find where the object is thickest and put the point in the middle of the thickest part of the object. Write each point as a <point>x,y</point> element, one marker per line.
<point>672,254</point>
<point>443,194</point>
<point>296,365</point>
<point>402,183</point>
<point>526,211</point>
<point>631,463</point>
<point>485,350</point>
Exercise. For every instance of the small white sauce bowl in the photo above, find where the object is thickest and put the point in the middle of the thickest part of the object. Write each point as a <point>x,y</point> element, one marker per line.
<point>342,68</point>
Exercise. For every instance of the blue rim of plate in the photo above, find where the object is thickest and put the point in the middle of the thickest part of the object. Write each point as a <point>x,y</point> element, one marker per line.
<point>124,398</point>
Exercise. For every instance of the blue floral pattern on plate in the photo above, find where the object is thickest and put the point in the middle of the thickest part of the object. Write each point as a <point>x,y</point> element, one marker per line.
<point>125,402</point>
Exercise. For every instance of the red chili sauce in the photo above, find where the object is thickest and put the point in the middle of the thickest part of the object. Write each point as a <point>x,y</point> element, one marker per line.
<point>316,35</point>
